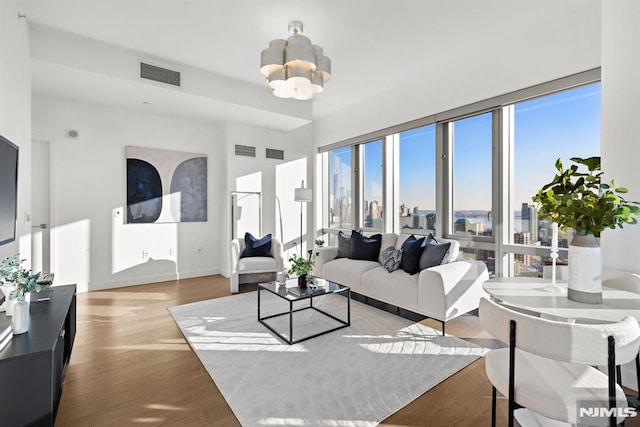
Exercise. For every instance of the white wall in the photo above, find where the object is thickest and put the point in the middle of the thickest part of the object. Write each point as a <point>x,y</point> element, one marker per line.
<point>271,177</point>
<point>15,117</point>
<point>536,54</point>
<point>92,246</point>
<point>620,125</point>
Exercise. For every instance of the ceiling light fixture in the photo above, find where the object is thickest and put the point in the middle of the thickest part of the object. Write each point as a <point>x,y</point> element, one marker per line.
<point>294,67</point>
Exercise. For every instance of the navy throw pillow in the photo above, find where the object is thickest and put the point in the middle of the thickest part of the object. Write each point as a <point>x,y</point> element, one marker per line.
<point>256,247</point>
<point>411,251</point>
<point>365,248</point>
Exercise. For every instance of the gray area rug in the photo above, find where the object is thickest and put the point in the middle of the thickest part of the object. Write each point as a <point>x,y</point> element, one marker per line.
<point>356,376</point>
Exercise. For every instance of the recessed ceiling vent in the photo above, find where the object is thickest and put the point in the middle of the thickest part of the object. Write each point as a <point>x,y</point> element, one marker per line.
<point>245,150</point>
<point>159,74</point>
<point>275,154</point>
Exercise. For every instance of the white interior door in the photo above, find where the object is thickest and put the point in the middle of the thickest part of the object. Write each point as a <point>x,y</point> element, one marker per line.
<point>40,207</point>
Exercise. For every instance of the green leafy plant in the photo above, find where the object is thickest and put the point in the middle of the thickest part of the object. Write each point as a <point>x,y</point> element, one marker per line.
<point>23,280</point>
<point>580,200</point>
<point>319,242</point>
<point>301,266</point>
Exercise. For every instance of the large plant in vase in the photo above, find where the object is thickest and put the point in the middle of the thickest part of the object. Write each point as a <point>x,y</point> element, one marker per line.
<point>577,198</point>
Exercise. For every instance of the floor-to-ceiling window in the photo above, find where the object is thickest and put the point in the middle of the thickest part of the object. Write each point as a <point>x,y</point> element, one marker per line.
<point>561,125</point>
<point>416,189</point>
<point>340,191</point>
<point>371,203</point>
<point>470,174</point>
<point>471,184</point>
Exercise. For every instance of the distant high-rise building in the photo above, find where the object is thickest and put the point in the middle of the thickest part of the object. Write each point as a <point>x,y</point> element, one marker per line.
<point>431,221</point>
<point>529,220</point>
<point>464,225</point>
<point>522,239</point>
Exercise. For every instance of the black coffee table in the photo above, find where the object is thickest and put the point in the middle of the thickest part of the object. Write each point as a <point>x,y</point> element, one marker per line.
<point>322,288</point>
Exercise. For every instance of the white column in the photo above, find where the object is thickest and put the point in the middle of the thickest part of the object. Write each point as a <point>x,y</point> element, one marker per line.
<point>620,124</point>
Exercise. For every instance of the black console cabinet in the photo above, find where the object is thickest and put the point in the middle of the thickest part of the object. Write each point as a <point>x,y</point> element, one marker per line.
<point>33,365</point>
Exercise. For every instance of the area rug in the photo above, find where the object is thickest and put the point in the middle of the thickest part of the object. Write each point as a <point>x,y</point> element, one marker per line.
<point>356,376</point>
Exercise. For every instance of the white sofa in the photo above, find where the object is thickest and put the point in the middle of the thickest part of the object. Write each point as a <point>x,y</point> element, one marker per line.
<point>442,292</point>
<point>251,267</point>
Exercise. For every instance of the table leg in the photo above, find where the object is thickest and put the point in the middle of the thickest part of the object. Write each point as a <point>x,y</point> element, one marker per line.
<point>258,302</point>
<point>290,322</point>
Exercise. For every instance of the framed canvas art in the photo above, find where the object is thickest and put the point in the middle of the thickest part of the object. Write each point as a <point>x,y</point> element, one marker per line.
<point>165,186</point>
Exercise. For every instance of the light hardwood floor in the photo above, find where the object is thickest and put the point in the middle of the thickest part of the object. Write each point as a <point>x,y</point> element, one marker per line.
<point>132,366</point>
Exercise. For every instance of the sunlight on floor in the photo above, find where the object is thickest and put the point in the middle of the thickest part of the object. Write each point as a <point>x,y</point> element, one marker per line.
<point>164,407</point>
<point>240,341</point>
<point>148,420</point>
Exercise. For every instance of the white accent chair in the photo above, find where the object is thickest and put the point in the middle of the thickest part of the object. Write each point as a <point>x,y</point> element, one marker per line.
<point>548,367</point>
<point>251,267</point>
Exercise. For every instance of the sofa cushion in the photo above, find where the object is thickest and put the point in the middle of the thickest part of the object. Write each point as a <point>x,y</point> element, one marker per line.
<point>256,247</point>
<point>344,245</point>
<point>432,255</point>
<point>411,251</point>
<point>347,271</point>
<point>365,248</point>
<point>390,258</point>
<point>256,264</point>
<point>397,288</point>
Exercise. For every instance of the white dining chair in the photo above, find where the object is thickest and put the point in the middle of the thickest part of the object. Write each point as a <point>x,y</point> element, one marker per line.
<point>549,366</point>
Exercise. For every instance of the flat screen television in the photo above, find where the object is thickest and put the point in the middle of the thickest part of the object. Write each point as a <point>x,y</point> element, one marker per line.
<point>8,190</point>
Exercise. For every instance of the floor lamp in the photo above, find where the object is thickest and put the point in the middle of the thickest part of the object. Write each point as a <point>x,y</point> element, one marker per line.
<point>302,195</point>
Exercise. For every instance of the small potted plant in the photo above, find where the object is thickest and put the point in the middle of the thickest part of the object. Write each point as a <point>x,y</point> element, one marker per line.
<point>24,282</point>
<point>302,267</point>
<point>319,242</point>
<point>580,200</point>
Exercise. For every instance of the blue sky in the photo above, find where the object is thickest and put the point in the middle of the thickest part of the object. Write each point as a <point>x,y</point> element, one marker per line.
<point>565,124</point>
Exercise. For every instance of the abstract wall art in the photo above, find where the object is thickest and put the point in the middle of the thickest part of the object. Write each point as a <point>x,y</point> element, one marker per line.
<point>165,186</point>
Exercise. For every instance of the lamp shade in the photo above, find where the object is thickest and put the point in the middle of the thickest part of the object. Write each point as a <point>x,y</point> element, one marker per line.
<point>295,68</point>
<point>303,194</point>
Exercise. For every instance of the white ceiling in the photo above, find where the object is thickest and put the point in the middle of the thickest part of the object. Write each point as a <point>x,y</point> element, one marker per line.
<point>373,44</point>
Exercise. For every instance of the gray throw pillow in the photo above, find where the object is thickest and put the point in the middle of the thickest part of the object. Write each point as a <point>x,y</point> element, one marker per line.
<point>390,258</point>
<point>344,245</point>
<point>433,255</point>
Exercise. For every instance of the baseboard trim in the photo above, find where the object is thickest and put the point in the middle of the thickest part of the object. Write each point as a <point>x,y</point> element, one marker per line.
<point>104,285</point>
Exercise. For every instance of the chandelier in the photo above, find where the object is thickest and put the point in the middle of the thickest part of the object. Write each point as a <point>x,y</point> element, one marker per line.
<point>294,67</point>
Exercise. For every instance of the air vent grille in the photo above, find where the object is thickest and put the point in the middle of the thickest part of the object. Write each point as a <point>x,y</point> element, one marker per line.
<point>245,150</point>
<point>275,154</point>
<point>159,74</point>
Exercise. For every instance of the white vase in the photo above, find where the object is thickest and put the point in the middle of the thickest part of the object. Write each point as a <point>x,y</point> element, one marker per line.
<point>6,290</point>
<point>585,270</point>
<point>11,303</point>
<point>21,317</point>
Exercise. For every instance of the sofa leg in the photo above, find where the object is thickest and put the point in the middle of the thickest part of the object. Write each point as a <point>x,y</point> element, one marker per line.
<point>442,328</point>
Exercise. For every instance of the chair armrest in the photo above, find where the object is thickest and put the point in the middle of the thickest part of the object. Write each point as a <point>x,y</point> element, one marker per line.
<point>325,253</point>
<point>277,252</point>
<point>235,256</point>
<point>448,290</point>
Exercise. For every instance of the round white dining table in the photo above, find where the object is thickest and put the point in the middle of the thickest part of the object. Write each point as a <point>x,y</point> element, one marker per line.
<point>540,296</point>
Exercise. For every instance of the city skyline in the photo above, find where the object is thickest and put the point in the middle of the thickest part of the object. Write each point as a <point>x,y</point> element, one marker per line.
<point>561,125</point>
